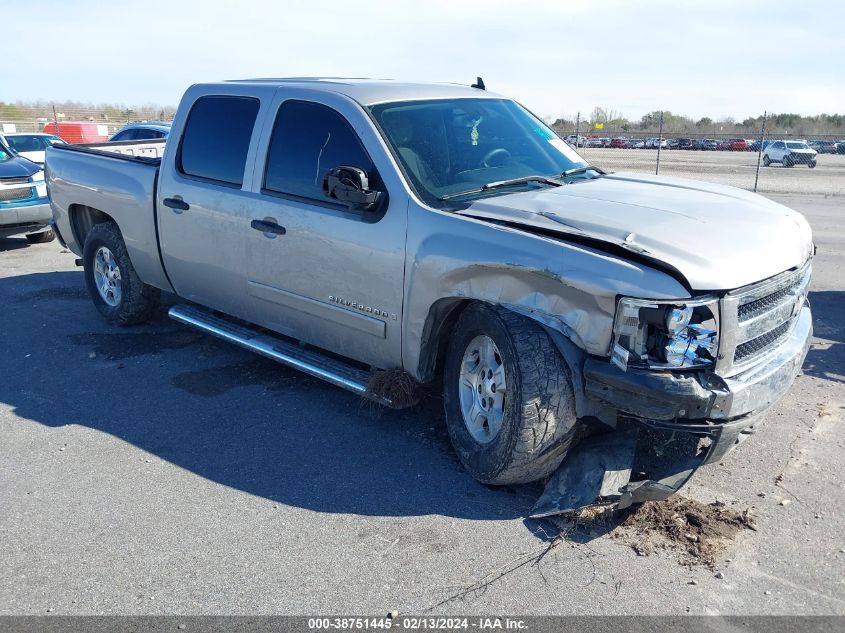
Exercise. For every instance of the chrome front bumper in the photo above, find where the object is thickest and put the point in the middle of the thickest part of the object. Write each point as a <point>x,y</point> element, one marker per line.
<point>724,409</point>
<point>24,218</point>
<point>37,212</point>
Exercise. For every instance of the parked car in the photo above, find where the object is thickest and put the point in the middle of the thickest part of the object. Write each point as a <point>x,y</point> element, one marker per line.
<point>78,131</point>
<point>30,145</point>
<point>543,326</point>
<point>824,147</point>
<point>579,142</point>
<point>654,143</point>
<point>705,144</point>
<point>24,208</point>
<point>682,143</point>
<point>840,147</point>
<point>635,143</point>
<point>789,153</point>
<point>734,145</point>
<point>618,142</point>
<point>142,132</point>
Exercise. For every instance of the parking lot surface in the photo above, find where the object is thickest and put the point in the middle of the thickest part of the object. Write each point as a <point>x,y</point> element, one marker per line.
<point>737,169</point>
<point>153,470</point>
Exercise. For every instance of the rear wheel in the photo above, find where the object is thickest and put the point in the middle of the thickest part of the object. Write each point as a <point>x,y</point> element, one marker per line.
<point>115,288</point>
<point>812,164</point>
<point>41,238</point>
<point>509,403</point>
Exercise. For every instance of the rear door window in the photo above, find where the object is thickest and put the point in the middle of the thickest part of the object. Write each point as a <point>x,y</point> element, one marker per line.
<point>308,140</point>
<point>216,139</point>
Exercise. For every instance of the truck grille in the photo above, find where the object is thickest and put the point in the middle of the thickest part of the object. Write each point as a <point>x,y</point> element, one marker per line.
<point>762,343</point>
<point>757,319</point>
<point>10,193</point>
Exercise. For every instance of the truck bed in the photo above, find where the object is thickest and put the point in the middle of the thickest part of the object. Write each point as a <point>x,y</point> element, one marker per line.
<point>149,152</point>
<point>114,179</point>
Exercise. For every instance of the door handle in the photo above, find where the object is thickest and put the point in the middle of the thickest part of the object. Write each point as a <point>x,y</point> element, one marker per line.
<point>177,204</point>
<point>266,226</point>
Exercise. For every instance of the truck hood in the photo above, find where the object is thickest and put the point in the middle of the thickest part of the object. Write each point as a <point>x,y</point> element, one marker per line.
<point>17,167</point>
<point>716,237</point>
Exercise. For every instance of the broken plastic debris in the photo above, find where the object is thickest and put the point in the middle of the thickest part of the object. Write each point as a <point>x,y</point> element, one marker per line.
<point>597,467</point>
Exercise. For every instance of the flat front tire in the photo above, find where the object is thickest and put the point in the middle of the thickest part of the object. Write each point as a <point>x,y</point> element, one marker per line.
<point>508,397</point>
<point>114,286</point>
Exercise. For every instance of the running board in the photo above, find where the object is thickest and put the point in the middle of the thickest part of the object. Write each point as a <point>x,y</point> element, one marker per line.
<point>293,355</point>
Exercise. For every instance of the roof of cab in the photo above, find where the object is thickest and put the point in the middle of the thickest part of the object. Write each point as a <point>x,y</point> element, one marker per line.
<point>371,91</point>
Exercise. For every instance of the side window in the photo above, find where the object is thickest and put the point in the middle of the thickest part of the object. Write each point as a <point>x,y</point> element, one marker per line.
<point>126,135</point>
<point>216,138</point>
<point>142,134</point>
<point>308,140</point>
<point>779,145</point>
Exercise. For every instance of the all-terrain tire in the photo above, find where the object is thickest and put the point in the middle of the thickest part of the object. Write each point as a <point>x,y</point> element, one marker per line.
<point>138,301</point>
<point>41,238</point>
<point>539,422</point>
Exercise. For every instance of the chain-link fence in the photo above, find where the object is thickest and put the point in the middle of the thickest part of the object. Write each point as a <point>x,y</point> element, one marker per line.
<point>767,162</point>
<point>103,120</point>
<point>741,158</point>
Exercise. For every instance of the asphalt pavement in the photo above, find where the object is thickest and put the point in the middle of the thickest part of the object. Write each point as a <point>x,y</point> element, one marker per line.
<point>154,470</point>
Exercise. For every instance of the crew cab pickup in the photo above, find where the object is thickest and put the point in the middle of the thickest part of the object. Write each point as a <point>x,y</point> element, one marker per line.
<point>372,232</point>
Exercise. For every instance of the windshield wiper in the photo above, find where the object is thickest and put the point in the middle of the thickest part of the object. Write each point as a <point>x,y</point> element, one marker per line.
<point>582,170</point>
<point>505,183</point>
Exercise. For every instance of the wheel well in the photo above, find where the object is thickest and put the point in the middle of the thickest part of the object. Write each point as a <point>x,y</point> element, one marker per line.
<point>82,220</point>
<point>438,325</point>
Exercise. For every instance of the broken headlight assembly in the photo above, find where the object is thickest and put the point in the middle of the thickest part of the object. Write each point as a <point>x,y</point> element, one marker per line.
<point>665,334</point>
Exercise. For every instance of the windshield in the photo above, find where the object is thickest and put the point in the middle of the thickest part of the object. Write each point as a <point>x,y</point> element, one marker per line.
<point>449,146</point>
<point>33,143</point>
<point>796,145</point>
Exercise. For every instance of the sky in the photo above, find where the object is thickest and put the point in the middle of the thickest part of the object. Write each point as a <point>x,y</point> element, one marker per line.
<point>711,58</point>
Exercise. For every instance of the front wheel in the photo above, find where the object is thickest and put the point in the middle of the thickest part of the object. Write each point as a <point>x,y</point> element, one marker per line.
<point>509,402</point>
<point>766,161</point>
<point>115,288</point>
<point>787,161</point>
<point>812,164</point>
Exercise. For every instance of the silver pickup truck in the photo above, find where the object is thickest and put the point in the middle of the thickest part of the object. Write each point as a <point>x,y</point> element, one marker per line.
<point>378,234</point>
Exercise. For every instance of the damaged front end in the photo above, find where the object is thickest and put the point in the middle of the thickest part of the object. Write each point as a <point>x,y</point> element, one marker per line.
<point>686,383</point>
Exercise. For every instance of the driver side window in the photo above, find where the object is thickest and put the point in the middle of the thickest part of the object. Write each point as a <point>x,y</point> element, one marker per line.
<point>308,140</point>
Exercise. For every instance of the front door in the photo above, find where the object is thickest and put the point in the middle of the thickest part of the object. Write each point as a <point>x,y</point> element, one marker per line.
<point>316,269</point>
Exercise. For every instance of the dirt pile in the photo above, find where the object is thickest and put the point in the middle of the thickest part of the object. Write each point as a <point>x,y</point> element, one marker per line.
<point>697,532</point>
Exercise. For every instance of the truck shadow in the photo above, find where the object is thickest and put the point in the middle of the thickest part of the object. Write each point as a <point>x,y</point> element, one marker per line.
<point>227,415</point>
<point>13,243</point>
<point>826,358</point>
<point>248,423</point>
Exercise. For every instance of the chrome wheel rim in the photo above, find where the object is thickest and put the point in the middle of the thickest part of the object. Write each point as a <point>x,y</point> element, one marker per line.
<point>107,276</point>
<point>482,389</point>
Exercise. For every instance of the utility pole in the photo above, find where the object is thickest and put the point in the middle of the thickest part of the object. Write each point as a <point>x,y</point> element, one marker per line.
<point>760,150</point>
<point>577,128</point>
<point>659,143</point>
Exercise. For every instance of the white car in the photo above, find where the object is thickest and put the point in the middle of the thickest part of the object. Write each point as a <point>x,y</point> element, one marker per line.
<point>789,153</point>
<point>31,145</point>
<point>654,143</point>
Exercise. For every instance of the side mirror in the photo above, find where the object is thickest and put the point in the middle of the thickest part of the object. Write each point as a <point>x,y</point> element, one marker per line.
<point>351,186</point>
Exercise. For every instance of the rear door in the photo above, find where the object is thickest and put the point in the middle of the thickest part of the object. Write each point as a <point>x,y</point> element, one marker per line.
<point>202,205</point>
<point>330,276</point>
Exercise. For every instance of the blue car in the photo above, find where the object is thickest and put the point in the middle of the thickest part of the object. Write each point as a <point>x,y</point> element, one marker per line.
<point>24,207</point>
